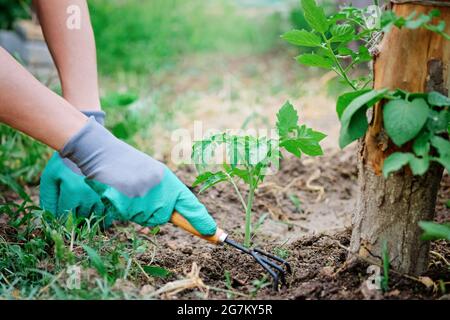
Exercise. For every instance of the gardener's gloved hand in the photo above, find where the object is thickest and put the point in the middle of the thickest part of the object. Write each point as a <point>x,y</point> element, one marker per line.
<point>62,186</point>
<point>133,185</point>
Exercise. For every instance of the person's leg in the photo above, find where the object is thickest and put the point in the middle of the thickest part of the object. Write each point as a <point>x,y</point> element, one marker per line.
<point>73,51</point>
<point>28,106</point>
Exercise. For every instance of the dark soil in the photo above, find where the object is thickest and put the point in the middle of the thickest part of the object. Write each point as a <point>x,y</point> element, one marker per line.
<point>317,256</point>
<point>314,237</point>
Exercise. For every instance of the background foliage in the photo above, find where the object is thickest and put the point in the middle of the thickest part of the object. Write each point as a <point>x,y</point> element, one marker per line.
<point>11,10</point>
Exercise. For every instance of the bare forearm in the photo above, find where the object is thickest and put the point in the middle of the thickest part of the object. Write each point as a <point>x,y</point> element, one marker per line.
<point>28,106</point>
<point>73,51</point>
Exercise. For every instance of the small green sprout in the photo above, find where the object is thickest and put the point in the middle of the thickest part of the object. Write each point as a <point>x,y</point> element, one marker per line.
<point>251,159</point>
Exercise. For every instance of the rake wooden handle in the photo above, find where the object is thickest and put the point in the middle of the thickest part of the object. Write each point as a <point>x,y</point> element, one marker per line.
<point>180,221</point>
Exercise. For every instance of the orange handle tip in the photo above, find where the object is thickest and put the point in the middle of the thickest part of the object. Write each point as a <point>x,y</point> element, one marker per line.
<point>180,221</point>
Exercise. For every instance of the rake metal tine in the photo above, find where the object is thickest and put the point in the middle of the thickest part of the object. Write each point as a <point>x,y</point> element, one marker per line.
<point>267,268</point>
<point>237,245</point>
<point>278,268</point>
<point>272,264</point>
<point>284,262</point>
<point>260,257</point>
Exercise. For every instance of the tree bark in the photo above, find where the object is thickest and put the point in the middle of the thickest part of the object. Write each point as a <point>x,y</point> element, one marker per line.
<point>388,210</point>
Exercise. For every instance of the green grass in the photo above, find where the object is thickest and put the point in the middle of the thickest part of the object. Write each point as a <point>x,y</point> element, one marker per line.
<point>142,37</point>
<point>38,254</point>
<point>21,158</point>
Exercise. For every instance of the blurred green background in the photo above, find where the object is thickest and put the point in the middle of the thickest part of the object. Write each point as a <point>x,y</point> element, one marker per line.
<point>161,61</point>
<point>146,36</point>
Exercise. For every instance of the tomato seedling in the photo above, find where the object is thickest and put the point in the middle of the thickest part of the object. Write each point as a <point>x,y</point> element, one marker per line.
<point>251,158</point>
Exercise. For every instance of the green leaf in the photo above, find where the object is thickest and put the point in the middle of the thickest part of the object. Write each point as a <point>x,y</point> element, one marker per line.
<point>258,149</point>
<point>238,150</point>
<point>241,173</point>
<point>315,60</point>
<point>419,165</point>
<point>316,135</point>
<point>412,95</point>
<point>403,120</point>
<point>355,129</point>
<point>353,120</point>
<point>401,94</point>
<point>292,147</point>
<point>296,147</point>
<point>444,161</point>
<point>314,15</point>
<point>155,271</point>
<point>342,33</point>
<point>345,99</point>
<point>439,29</point>
<point>209,179</point>
<point>417,23</point>
<point>302,38</point>
<point>363,55</point>
<point>443,147</point>
<point>335,18</point>
<point>287,119</point>
<point>306,141</point>
<point>434,13</point>
<point>96,261</point>
<point>421,145</point>
<point>395,162</point>
<point>310,147</point>
<point>437,99</point>
<point>438,121</point>
<point>434,231</point>
<point>204,151</point>
<point>344,51</point>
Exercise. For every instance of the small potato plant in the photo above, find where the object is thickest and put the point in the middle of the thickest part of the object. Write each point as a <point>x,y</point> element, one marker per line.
<point>250,159</point>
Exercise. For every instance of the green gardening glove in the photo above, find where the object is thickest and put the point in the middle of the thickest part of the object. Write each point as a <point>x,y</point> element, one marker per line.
<point>63,188</point>
<point>132,185</point>
<point>156,206</point>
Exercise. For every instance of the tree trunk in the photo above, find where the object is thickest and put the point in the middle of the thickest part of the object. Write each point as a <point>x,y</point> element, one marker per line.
<point>388,210</point>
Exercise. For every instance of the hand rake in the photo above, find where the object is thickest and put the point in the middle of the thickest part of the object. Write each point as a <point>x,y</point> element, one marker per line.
<point>275,266</point>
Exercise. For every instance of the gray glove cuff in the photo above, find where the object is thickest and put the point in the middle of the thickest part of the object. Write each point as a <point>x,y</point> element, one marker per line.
<point>97,114</point>
<point>100,118</point>
<point>84,146</point>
